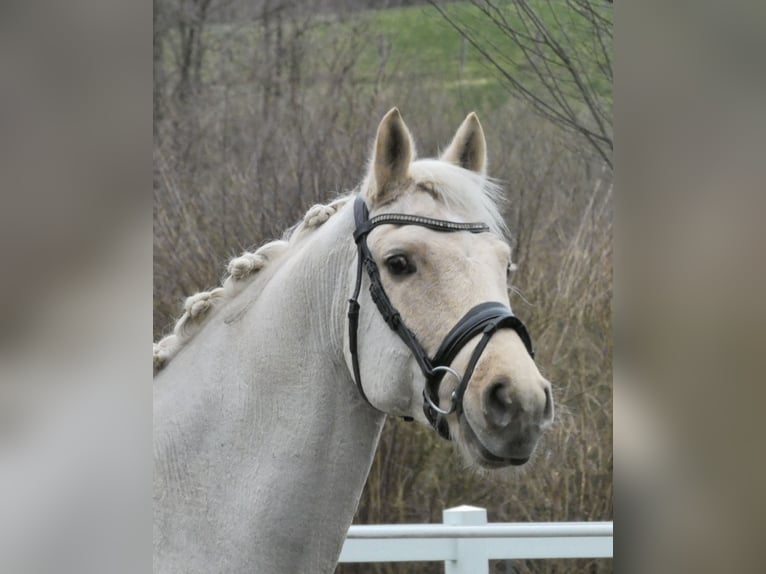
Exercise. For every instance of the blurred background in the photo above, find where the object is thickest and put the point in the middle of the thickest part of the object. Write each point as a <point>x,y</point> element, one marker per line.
<point>262,109</point>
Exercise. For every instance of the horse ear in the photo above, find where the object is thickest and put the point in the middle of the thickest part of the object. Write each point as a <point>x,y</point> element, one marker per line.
<point>393,154</point>
<point>468,148</point>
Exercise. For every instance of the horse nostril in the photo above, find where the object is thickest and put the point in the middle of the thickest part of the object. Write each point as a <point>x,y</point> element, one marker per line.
<point>498,405</point>
<point>548,411</point>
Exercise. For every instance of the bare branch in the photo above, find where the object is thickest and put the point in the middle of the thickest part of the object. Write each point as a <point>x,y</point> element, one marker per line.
<point>565,58</point>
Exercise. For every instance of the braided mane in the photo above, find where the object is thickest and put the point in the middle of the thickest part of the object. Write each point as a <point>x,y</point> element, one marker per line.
<point>198,308</point>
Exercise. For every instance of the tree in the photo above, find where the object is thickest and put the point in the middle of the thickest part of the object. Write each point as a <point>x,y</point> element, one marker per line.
<point>555,54</point>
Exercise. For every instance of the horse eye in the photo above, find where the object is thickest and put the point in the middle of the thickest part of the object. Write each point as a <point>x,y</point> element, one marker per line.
<point>400,265</point>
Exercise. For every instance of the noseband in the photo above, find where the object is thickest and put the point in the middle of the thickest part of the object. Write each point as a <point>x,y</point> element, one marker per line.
<point>484,319</point>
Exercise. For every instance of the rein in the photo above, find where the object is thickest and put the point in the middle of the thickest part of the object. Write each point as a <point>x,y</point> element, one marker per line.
<point>484,319</point>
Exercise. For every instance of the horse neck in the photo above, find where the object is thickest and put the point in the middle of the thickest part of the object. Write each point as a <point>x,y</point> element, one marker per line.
<point>264,447</point>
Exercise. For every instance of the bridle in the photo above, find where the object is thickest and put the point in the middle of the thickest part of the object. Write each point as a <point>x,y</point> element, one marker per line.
<point>484,319</point>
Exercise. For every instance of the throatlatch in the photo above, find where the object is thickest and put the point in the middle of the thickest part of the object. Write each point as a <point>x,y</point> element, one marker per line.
<point>484,319</point>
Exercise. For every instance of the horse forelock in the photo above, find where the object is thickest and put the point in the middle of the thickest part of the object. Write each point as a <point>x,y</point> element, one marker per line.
<point>242,270</point>
<point>471,194</point>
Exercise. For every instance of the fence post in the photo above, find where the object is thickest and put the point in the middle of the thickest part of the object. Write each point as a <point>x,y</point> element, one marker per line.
<point>470,560</point>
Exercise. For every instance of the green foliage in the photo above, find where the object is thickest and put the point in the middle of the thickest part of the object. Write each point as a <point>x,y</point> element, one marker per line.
<point>411,44</point>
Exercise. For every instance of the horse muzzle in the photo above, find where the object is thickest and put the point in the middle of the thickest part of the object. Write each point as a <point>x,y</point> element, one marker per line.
<point>503,426</point>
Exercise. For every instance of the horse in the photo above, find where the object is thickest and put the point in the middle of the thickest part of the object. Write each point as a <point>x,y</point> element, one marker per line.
<point>271,393</point>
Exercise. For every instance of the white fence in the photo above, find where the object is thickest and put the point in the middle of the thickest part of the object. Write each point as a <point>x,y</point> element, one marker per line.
<point>466,543</point>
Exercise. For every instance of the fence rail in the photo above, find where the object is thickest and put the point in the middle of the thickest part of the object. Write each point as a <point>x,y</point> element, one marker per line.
<point>465,542</point>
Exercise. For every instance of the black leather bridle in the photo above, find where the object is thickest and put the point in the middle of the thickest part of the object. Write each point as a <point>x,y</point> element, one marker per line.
<point>484,319</point>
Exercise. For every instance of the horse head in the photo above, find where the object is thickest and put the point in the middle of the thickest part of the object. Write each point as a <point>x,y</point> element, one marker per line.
<point>434,338</point>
